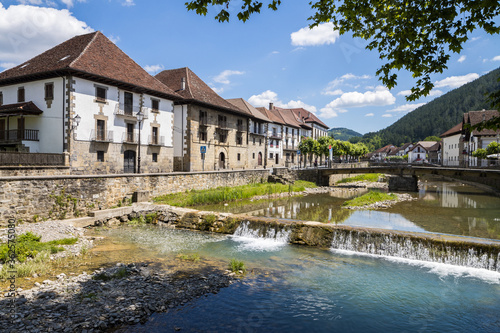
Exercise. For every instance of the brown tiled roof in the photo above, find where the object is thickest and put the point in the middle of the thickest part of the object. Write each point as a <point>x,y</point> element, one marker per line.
<point>384,149</point>
<point>91,56</point>
<point>196,90</point>
<point>457,129</point>
<point>308,117</point>
<point>427,145</point>
<point>18,109</point>
<point>435,147</point>
<point>406,145</point>
<point>271,115</point>
<point>244,105</point>
<point>288,117</point>
<point>475,117</point>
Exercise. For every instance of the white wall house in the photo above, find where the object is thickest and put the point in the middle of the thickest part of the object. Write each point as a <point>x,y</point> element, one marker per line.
<point>275,144</point>
<point>451,146</point>
<point>87,100</point>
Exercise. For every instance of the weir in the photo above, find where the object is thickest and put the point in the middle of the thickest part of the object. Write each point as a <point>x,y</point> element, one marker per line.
<point>439,248</point>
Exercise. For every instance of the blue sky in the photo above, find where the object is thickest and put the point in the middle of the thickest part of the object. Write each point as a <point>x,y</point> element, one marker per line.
<point>273,57</point>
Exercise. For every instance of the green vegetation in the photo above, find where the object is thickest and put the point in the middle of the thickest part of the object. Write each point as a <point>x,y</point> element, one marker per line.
<point>28,245</point>
<point>40,265</point>
<point>137,220</point>
<point>320,148</point>
<point>226,194</point>
<point>370,198</point>
<point>344,134</point>
<point>236,266</point>
<point>369,177</point>
<point>195,257</point>
<point>437,116</point>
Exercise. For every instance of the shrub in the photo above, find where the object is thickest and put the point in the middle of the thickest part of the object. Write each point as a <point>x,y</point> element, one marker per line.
<point>236,266</point>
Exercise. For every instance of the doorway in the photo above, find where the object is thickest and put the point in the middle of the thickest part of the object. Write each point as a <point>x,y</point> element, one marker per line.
<point>222,161</point>
<point>129,161</point>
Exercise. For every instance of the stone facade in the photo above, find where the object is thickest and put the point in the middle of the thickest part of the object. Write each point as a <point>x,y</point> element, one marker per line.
<point>224,136</point>
<point>41,197</point>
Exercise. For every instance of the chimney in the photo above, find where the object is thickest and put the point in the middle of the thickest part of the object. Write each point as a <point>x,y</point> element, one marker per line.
<point>271,106</point>
<point>183,83</point>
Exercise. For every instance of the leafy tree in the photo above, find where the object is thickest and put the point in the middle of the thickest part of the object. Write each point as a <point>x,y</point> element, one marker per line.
<point>480,153</point>
<point>308,147</point>
<point>432,138</point>
<point>417,36</point>
<point>493,148</point>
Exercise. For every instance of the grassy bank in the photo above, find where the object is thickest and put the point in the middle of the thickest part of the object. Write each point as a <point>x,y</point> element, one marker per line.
<point>32,255</point>
<point>226,194</point>
<point>370,198</point>
<point>369,177</point>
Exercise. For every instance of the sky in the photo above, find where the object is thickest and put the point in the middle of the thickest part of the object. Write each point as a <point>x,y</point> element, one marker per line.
<point>273,57</point>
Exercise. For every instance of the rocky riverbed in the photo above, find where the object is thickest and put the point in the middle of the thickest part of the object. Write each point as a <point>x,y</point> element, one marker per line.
<point>120,295</point>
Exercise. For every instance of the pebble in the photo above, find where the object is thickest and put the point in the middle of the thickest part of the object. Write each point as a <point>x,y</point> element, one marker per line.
<point>78,303</point>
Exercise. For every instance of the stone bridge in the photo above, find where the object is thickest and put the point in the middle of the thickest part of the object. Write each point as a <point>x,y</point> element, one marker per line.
<point>405,176</point>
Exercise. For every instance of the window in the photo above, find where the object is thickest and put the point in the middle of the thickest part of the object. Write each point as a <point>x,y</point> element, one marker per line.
<point>1,98</point>
<point>155,157</point>
<point>239,139</point>
<point>20,94</point>
<point>270,155</point>
<point>260,142</point>
<point>254,141</point>
<point>155,105</point>
<point>203,135</point>
<point>101,130</point>
<point>277,144</point>
<point>240,125</point>
<point>128,102</point>
<point>239,156</point>
<point>203,118</point>
<point>100,94</point>
<point>253,156</point>
<point>222,121</point>
<point>49,91</point>
<point>154,135</point>
<point>100,156</point>
<point>222,136</point>
<point>130,133</point>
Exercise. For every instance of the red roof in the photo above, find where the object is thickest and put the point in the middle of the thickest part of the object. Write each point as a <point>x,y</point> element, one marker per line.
<point>195,89</point>
<point>91,56</point>
<point>18,109</point>
<point>475,117</point>
<point>457,129</point>
<point>308,117</point>
<point>275,118</point>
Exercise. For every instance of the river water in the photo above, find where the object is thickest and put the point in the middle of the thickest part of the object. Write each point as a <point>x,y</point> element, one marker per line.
<point>291,288</point>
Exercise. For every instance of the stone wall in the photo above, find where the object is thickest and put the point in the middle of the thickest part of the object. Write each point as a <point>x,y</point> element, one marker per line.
<point>57,197</point>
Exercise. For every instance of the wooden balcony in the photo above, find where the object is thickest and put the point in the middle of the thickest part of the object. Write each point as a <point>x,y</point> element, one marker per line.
<point>16,136</point>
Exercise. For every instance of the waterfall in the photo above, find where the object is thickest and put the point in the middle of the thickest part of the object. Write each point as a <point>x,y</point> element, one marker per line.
<point>459,253</point>
<point>262,236</point>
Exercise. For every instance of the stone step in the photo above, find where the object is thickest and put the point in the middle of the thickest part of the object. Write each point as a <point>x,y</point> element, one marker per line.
<point>80,222</point>
<point>109,213</point>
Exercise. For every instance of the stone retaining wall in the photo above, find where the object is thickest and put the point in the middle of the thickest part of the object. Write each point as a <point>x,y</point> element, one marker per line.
<point>58,197</point>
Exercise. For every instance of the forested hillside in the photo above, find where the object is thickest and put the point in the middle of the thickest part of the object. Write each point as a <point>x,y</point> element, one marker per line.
<point>343,134</point>
<point>439,115</point>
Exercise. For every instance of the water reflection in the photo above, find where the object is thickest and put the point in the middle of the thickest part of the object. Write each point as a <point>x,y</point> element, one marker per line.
<point>444,207</point>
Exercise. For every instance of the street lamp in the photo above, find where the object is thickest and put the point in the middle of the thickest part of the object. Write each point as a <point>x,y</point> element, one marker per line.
<point>76,122</point>
<point>140,117</point>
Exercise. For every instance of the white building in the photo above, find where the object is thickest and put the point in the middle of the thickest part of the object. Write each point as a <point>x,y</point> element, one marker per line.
<point>451,146</point>
<point>86,100</point>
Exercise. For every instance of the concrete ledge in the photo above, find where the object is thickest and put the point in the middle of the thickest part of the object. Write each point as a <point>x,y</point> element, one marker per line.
<point>81,222</point>
<point>110,213</point>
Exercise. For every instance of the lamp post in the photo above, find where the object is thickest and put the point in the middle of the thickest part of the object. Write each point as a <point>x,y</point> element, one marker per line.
<point>140,117</point>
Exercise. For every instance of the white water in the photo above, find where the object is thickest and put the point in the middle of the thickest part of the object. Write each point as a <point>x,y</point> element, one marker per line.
<point>400,247</point>
<point>260,239</point>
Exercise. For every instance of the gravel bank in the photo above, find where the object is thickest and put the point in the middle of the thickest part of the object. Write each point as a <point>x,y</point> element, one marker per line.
<point>120,295</point>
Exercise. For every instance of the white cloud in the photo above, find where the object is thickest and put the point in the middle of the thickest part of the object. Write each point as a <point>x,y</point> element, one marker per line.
<point>496,58</point>
<point>406,108</point>
<point>434,92</point>
<point>331,88</point>
<point>387,115</point>
<point>153,69</point>
<point>128,3</point>
<point>462,59</point>
<point>378,97</point>
<point>369,115</point>
<point>275,52</point>
<point>456,81</point>
<point>319,35</point>
<point>269,96</point>
<point>26,31</point>
<point>404,93</point>
<point>114,39</point>
<point>223,77</point>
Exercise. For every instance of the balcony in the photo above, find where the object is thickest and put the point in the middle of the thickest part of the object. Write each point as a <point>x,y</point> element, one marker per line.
<point>16,136</point>
<point>257,132</point>
<point>222,125</point>
<point>101,136</point>
<point>204,121</point>
<point>240,127</point>
<point>130,138</point>
<point>156,141</point>
<point>130,111</point>
<point>275,136</point>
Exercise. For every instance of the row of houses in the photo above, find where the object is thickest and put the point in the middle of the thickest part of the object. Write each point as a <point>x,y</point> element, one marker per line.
<point>456,145</point>
<point>87,100</point>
